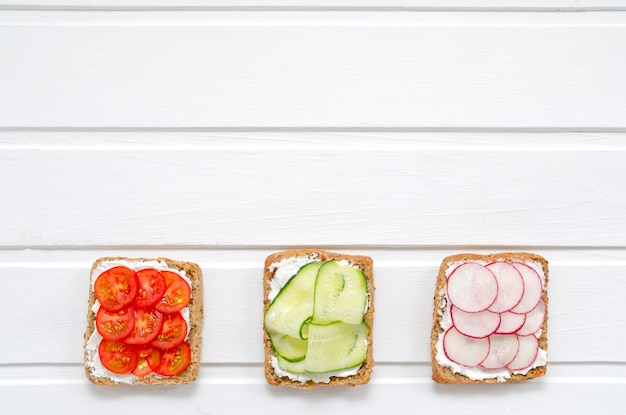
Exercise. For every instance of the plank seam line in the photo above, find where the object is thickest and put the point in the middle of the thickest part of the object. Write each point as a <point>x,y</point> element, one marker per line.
<point>29,249</point>
<point>257,381</point>
<point>309,129</point>
<point>469,9</point>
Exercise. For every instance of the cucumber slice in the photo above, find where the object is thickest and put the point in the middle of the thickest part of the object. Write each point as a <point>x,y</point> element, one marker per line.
<point>289,348</point>
<point>340,294</point>
<point>293,305</point>
<point>335,346</point>
<point>291,367</point>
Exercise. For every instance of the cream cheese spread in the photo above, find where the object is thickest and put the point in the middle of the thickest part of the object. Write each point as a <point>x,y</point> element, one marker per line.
<point>94,364</point>
<point>315,377</point>
<point>479,373</point>
<point>286,270</point>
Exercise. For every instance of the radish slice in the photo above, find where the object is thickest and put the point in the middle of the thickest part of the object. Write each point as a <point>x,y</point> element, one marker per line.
<point>510,322</point>
<point>528,349</point>
<point>503,349</point>
<point>477,325</point>
<point>534,320</point>
<point>472,287</point>
<point>532,288</point>
<point>510,286</point>
<point>464,350</point>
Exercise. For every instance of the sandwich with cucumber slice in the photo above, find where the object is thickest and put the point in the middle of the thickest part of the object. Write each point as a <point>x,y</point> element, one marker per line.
<point>318,318</point>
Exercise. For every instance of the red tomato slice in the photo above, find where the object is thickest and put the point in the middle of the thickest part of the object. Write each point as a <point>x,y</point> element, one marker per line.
<point>115,325</point>
<point>151,287</point>
<point>175,360</point>
<point>117,357</point>
<point>148,358</point>
<point>173,332</point>
<point>148,324</point>
<point>177,294</point>
<point>116,288</point>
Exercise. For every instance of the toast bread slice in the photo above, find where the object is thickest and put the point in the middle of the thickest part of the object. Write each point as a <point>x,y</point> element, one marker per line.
<point>443,374</point>
<point>366,265</point>
<point>194,338</point>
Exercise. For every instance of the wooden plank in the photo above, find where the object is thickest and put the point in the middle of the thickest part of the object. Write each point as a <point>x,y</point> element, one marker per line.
<point>559,5</point>
<point>274,197</point>
<point>587,292</point>
<point>222,393</point>
<point>312,70</point>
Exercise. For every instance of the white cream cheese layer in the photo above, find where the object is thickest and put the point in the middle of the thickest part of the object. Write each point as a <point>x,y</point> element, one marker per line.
<point>315,377</point>
<point>479,373</point>
<point>94,364</point>
<point>286,270</point>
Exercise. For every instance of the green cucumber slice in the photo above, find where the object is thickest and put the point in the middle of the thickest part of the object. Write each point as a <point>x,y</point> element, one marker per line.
<point>290,348</point>
<point>291,367</point>
<point>335,346</point>
<point>340,294</point>
<point>294,303</point>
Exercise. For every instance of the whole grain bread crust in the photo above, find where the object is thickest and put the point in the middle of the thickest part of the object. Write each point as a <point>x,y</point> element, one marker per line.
<point>366,265</point>
<point>196,317</point>
<point>442,374</point>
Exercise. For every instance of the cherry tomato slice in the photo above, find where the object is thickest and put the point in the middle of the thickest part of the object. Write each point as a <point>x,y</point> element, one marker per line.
<point>116,288</point>
<point>151,287</point>
<point>177,293</point>
<point>174,361</point>
<point>118,357</point>
<point>115,325</point>
<point>148,358</point>
<point>173,332</point>
<point>148,324</point>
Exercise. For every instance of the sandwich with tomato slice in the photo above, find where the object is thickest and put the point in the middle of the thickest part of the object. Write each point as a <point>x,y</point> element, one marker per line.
<point>144,321</point>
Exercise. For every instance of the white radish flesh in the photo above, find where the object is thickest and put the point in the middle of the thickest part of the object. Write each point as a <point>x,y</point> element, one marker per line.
<point>510,322</point>
<point>532,288</point>
<point>472,287</point>
<point>477,325</point>
<point>463,350</point>
<point>528,349</point>
<point>534,320</point>
<point>503,349</point>
<point>510,286</point>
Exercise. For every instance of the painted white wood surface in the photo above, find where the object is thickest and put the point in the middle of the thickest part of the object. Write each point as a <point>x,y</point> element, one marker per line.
<point>233,296</point>
<point>395,193</point>
<point>313,70</point>
<point>219,137</point>
<point>558,5</point>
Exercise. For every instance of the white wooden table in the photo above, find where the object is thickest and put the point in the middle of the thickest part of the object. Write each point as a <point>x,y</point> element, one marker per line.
<point>219,132</point>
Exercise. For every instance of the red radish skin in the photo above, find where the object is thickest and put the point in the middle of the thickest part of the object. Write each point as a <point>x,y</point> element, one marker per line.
<point>463,350</point>
<point>528,350</point>
<point>503,348</point>
<point>532,288</point>
<point>510,286</point>
<point>510,322</point>
<point>472,287</point>
<point>534,320</point>
<point>477,325</point>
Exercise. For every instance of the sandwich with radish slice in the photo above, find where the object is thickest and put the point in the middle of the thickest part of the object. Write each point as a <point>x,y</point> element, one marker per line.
<point>490,318</point>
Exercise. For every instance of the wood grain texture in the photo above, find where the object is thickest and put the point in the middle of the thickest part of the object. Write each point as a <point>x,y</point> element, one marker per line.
<point>317,70</point>
<point>361,195</point>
